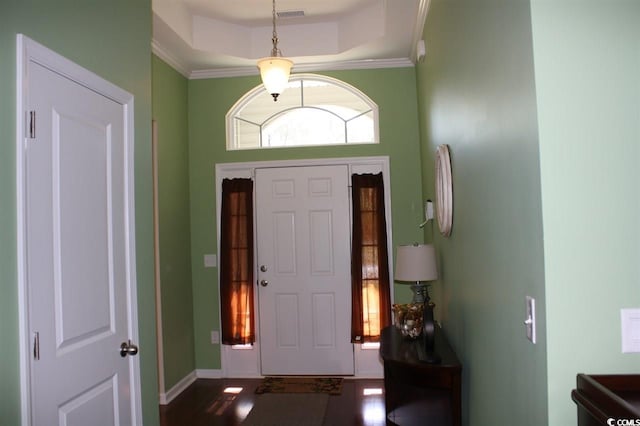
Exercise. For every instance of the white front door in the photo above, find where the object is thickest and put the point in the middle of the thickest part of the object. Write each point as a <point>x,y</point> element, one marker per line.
<point>303,239</point>
<point>78,255</point>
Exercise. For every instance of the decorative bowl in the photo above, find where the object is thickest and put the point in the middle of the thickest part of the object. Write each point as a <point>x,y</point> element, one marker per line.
<point>407,317</point>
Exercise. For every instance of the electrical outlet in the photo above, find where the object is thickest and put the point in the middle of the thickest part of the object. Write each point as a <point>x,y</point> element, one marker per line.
<point>215,337</point>
<point>210,261</point>
<point>530,321</point>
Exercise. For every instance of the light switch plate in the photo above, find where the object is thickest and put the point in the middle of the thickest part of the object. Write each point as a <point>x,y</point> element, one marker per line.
<point>630,319</point>
<point>530,319</point>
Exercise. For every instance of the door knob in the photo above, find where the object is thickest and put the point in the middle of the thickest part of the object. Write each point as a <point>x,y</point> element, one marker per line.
<point>263,268</point>
<point>128,348</point>
<point>264,283</point>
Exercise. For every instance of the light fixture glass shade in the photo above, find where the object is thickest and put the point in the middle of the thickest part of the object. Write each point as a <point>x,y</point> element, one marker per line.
<point>275,71</point>
<point>416,263</point>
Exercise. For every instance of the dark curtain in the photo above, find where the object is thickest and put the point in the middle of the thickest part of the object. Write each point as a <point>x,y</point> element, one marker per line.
<point>371,310</point>
<point>236,262</point>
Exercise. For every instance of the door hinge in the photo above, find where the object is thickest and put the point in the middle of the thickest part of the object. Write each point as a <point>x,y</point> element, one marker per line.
<point>31,130</point>
<point>36,346</point>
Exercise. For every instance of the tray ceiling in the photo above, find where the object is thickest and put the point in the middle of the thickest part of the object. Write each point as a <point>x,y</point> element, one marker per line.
<point>218,38</point>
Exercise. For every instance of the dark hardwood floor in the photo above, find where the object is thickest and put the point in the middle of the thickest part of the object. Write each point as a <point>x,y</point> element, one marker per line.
<point>205,403</point>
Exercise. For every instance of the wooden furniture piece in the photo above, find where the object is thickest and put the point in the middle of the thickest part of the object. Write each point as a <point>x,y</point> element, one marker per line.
<point>416,392</point>
<point>602,398</point>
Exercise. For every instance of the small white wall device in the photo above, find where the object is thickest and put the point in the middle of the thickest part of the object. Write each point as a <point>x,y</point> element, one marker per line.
<point>421,50</point>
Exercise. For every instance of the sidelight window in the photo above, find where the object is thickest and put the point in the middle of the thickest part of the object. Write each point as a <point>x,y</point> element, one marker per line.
<point>236,268</point>
<point>369,260</point>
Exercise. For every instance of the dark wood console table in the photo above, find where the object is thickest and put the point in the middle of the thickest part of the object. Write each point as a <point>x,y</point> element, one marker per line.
<point>603,397</point>
<point>418,393</point>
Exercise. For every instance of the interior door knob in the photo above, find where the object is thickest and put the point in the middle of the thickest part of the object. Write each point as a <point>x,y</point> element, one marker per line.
<point>263,268</point>
<point>264,283</point>
<point>128,348</point>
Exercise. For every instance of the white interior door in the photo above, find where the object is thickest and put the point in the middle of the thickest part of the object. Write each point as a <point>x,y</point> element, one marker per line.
<point>78,255</point>
<point>303,239</point>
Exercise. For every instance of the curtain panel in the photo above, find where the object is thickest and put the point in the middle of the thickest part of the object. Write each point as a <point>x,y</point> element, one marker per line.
<point>236,262</point>
<point>371,310</point>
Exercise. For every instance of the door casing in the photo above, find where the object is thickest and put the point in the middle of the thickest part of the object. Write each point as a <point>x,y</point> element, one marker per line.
<point>28,51</point>
<point>245,362</point>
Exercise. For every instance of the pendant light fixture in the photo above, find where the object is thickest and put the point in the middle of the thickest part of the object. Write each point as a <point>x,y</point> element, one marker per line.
<point>275,69</point>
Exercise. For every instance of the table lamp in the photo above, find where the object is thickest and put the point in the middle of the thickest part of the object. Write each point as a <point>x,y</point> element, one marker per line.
<point>416,264</point>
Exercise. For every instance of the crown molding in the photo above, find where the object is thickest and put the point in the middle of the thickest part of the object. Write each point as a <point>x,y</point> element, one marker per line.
<point>223,72</point>
<point>421,19</point>
<point>174,62</point>
<point>310,67</point>
<point>183,68</point>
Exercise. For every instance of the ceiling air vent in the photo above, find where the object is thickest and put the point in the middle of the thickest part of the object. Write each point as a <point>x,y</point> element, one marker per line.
<point>290,14</point>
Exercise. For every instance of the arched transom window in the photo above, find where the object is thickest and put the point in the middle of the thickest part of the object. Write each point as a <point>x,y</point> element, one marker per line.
<point>313,110</point>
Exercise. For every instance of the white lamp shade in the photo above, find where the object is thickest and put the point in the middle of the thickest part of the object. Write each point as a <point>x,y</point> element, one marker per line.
<point>275,73</point>
<point>416,263</point>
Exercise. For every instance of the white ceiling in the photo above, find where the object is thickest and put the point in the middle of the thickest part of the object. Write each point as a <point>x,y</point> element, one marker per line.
<point>219,38</point>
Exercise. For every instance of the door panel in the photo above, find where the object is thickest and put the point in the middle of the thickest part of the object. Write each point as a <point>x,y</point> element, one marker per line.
<point>303,242</point>
<point>76,254</point>
<point>83,313</point>
<point>284,225</point>
<point>320,243</point>
<point>97,406</point>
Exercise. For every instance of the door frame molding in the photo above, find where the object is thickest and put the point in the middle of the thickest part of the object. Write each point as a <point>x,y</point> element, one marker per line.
<point>246,362</point>
<point>28,51</point>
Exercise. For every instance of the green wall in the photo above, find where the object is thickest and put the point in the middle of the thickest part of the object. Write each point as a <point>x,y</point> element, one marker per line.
<point>476,93</point>
<point>111,39</point>
<point>587,65</point>
<point>170,113</point>
<point>209,100</point>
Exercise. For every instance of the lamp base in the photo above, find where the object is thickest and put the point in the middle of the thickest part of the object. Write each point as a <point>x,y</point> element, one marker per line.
<point>420,292</point>
<point>429,331</point>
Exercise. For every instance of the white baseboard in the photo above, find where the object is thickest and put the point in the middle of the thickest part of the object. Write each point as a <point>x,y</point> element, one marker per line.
<point>208,374</point>
<point>178,388</point>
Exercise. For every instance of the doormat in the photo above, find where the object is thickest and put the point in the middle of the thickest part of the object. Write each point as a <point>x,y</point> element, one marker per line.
<point>298,409</point>
<point>328,385</point>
